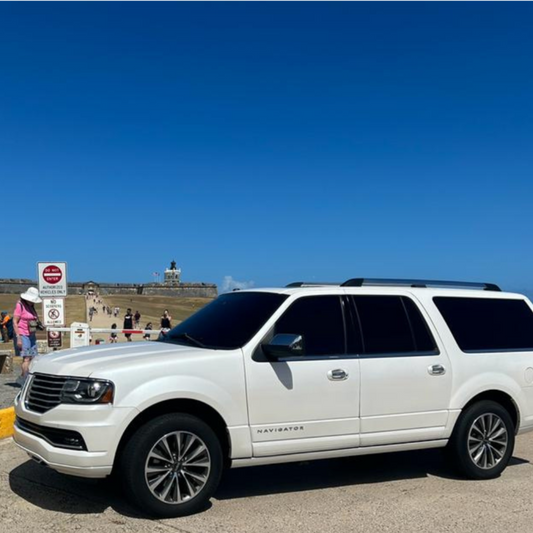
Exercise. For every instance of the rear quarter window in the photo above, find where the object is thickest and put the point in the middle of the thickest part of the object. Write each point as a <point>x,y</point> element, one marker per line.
<point>488,324</point>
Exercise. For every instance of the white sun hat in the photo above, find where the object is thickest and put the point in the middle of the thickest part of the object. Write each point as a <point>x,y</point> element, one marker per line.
<point>31,295</point>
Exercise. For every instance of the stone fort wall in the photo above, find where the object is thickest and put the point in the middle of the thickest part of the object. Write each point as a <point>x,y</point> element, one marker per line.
<point>190,290</point>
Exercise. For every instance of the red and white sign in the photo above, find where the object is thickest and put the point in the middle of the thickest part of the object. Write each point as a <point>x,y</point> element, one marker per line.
<point>52,274</point>
<point>52,279</point>
<point>53,311</point>
<point>54,339</point>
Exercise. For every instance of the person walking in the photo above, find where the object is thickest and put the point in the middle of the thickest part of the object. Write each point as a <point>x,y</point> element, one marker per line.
<point>25,324</point>
<point>128,323</point>
<point>166,321</point>
<point>137,317</point>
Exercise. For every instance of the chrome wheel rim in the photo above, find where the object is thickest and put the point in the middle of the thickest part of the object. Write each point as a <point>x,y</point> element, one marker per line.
<point>177,467</point>
<point>487,441</point>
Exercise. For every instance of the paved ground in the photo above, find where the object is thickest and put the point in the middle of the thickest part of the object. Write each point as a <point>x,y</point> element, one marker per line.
<point>8,387</point>
<point>408,492</point>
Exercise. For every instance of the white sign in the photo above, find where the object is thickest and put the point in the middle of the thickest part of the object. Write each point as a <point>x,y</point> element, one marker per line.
<point>53,311</point>
<point>52,279</point>
<point>79,334</point>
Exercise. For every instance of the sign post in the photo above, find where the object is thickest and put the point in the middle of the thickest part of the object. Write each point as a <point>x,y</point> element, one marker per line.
<point>54,311</point>
<point>52,279</point>
<point>54,339</point>
<point>53,290</point>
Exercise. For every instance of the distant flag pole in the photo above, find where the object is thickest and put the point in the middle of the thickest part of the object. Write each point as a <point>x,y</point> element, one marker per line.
<point>156,276</point>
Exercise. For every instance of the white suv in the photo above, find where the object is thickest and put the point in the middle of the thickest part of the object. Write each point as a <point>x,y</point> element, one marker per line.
<point>303,372</point>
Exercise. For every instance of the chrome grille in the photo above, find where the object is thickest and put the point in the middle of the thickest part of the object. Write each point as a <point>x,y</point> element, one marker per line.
<point>44,392</point>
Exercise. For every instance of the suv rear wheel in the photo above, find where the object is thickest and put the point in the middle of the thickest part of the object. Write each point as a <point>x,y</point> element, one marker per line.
<point>172,465</point>
<point>483,440</point>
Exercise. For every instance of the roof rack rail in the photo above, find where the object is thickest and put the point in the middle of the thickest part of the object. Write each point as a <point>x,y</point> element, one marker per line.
<point>308,284</point>
<point>364,282</point>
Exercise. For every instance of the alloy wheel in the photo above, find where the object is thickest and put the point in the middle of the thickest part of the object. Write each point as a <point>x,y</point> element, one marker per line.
<point>487,441</point>
<point>177,467</point>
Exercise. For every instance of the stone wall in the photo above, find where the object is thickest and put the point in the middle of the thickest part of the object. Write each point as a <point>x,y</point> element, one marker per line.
<point>190,290</point>
<point>184,290</point>
<point>15,286</point>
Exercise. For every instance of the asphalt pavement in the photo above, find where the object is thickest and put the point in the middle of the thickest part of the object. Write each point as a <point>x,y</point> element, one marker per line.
<point>403,492</point>
<point>8,385</point>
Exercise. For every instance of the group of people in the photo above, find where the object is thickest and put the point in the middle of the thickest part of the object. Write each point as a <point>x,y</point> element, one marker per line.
<point>132,321</point>
<point>24,323</point>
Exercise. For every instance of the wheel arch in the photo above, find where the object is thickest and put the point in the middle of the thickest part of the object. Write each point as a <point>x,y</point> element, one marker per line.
<point>502,398</point>
<point>195,408</point>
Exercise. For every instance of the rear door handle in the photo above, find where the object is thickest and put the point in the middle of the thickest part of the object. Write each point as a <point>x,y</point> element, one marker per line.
<point>337,375</point>
<point>436,370</point>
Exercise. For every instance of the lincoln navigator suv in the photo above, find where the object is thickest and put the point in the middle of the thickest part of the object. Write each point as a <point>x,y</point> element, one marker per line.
<point>267,376</point>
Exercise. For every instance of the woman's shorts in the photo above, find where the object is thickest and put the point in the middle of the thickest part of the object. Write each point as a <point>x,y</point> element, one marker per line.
<point>29,346</point>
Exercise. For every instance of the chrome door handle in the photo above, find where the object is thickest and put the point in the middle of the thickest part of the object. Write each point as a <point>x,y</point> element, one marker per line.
<point>337,375</point>
<point>436,370</point>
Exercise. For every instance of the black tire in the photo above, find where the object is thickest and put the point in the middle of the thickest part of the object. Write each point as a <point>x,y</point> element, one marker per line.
<point>134,461</point>
<point>459,442</point>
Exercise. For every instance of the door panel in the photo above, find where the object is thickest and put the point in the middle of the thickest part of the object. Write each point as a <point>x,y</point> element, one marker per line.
<point>406,376</point>
<point>398,393</point>
<point>297,405</point>
<point>296,400</point>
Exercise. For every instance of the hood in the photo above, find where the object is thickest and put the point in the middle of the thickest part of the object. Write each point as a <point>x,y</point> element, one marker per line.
<point>86,361</point>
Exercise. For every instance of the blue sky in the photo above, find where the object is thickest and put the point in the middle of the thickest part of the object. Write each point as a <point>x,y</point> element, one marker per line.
<point>268,142</point>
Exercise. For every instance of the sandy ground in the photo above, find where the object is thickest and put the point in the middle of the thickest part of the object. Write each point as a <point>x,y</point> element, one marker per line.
<point>103,320</point>
<point>405,492</point>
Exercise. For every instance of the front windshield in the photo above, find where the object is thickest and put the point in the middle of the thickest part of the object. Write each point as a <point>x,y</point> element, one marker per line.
<point>228,322</point>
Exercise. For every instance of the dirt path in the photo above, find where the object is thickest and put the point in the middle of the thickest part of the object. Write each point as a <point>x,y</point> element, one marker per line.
<point>102,320</point>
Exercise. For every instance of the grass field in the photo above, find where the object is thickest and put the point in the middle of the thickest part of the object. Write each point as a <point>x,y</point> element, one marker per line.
<point>152,307</point>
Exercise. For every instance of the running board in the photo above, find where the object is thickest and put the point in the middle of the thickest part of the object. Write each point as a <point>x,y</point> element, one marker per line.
<point>334,454</point>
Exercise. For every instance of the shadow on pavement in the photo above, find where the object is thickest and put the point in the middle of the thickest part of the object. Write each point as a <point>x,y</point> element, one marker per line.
<point>296,477</point>
<point>49,490</point>
<point>52,491</point>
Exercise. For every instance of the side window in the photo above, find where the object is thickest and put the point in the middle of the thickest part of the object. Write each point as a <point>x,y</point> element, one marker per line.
<point>488,324</point>
<point>319,320</point>
<point>424,341</point>
<point>392,325</point>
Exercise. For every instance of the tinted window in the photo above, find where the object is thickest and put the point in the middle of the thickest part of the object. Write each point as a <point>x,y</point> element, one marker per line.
<point>384,324</point>
<point>228,322</point>
<point>319,319</point>
<point>484,324</point>
<point>424,341</point>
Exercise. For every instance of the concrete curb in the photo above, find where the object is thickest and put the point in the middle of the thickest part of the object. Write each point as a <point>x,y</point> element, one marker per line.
<point>7,421</point>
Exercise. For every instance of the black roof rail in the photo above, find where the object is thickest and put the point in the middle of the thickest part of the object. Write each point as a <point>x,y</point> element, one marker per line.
<point>364,282</point>
<point>308,284</point>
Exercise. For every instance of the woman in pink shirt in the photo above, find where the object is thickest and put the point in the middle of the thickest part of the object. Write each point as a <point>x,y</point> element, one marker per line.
<point>25,323</point>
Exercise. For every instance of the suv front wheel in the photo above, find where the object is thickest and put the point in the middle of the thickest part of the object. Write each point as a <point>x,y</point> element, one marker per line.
<point>483,441</point>
<point>172,465</point>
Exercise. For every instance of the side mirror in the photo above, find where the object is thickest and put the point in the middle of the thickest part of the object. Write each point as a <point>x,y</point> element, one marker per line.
<point>284,345</point>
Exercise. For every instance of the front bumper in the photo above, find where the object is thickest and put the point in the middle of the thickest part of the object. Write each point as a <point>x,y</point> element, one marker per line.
<point>101,427</point>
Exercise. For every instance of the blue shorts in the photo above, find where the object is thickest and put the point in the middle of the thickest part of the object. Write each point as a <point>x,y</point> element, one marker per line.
<point>29,346</point>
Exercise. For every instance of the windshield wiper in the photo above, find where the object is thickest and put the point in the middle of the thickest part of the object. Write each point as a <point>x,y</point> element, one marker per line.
<point>189,338</point>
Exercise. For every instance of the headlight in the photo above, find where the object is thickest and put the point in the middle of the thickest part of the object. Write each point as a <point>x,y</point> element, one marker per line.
<point>87,391</point>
